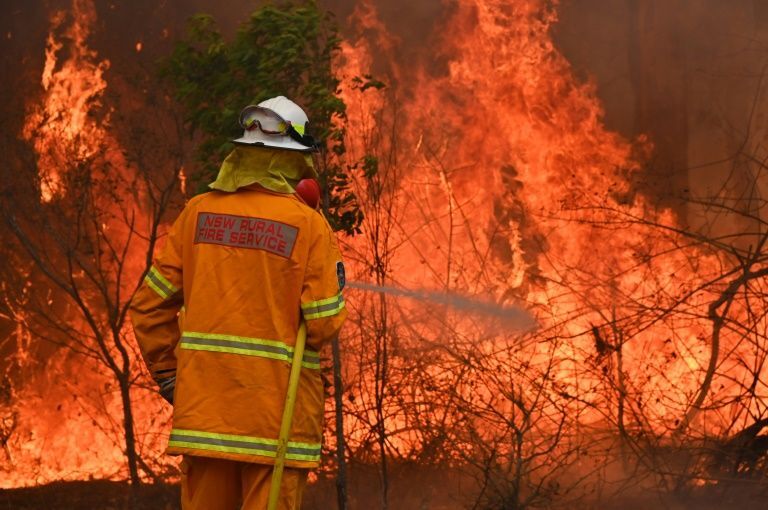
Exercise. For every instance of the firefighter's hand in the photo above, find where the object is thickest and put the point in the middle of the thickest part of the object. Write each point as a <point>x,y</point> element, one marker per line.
<point>166,388</point>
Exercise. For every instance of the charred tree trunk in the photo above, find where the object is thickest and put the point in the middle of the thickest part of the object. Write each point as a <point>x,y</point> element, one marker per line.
<point>338,394</point>
<point>131,454</point>
<point>338,400</point>
<point>380,390</point>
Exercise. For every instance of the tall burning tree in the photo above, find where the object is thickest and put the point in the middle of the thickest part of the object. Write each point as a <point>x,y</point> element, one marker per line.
<point>85,211</point>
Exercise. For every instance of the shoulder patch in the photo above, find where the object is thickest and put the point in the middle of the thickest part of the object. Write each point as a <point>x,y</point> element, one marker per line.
<point>340,275</point>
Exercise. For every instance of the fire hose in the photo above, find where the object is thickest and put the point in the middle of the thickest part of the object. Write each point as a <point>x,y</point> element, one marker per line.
<point>285,424</point>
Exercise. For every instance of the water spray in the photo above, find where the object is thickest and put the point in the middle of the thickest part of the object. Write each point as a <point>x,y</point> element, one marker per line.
<point>513,316</point>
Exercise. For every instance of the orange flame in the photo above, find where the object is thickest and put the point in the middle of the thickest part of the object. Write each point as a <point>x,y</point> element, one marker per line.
<point>67,424</point>
<point>508,184</point>
<point>497,178</point>
<point>72,89</point>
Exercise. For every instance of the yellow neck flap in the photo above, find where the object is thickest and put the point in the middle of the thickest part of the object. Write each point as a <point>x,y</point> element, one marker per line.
<point>275,169</point>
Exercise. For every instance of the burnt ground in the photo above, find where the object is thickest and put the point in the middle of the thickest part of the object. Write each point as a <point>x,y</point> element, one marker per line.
<point>418,489</point>
<point>104,495</point>
<point>89,495</point>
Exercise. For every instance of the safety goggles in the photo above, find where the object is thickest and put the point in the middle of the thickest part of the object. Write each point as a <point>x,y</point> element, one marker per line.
<point>269,122</point>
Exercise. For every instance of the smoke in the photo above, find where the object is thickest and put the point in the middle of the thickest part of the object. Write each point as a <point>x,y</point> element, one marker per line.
<point>511,316</point>
<point>690,77</point>
<point>416,35</point>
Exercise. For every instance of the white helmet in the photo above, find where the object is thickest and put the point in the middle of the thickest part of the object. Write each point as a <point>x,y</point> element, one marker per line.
<point>278,123</point>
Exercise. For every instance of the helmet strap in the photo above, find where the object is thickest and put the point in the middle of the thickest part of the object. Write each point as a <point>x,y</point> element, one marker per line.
<point>305,140</point>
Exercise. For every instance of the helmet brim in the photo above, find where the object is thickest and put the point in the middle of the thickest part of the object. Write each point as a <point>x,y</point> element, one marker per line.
<point>286,143</point>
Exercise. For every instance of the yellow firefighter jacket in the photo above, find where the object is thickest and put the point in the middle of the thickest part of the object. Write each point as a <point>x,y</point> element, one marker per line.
<point>220,310</point>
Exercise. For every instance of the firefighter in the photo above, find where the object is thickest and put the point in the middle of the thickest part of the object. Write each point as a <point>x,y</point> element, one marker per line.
<point>217,317</point>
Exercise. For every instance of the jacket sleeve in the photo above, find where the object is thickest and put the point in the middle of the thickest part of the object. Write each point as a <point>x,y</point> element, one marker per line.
<point>155,308</point>
<point>322,303</point>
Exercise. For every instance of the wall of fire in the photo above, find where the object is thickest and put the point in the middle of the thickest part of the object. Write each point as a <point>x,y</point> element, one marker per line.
<point>687,76</point>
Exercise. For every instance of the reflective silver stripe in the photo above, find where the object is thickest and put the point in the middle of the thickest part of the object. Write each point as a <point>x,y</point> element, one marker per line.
<point>240,345</point>
<point>245,445</point>
<point>159,285</point>
<point>246,346</point>
<point>323,308</point>
<point>326,307</point>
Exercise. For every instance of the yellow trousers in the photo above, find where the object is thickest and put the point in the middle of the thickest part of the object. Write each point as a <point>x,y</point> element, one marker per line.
<point>215,484</point>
